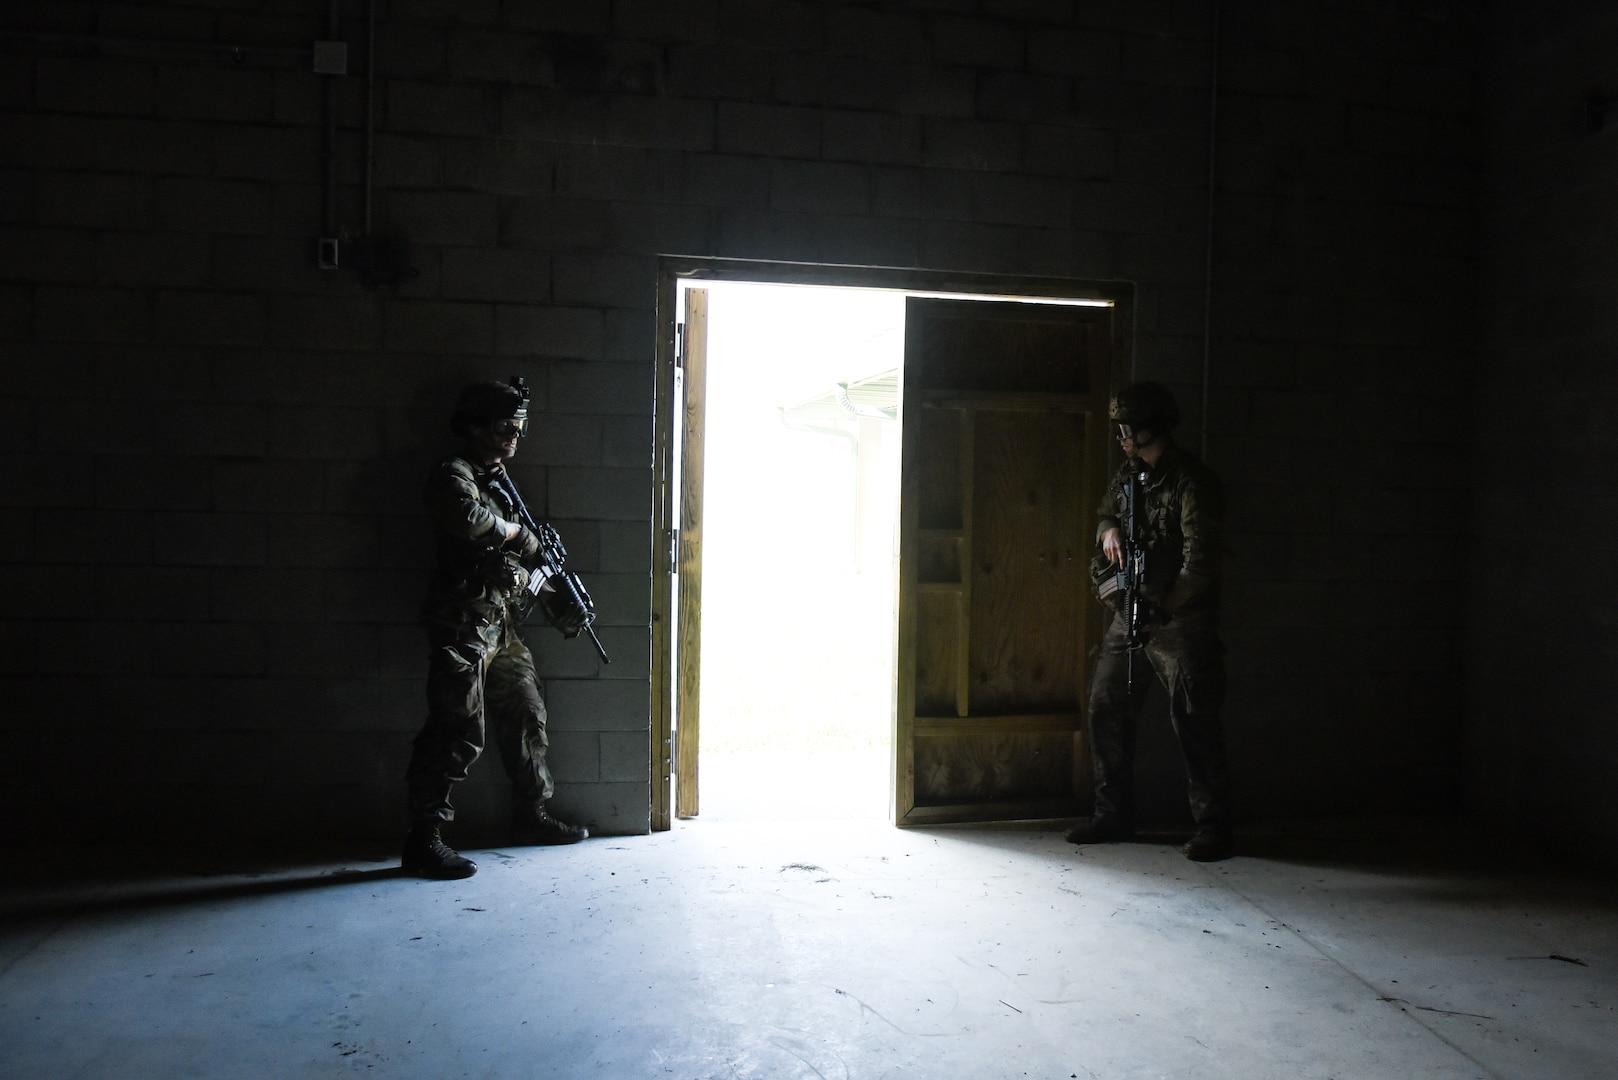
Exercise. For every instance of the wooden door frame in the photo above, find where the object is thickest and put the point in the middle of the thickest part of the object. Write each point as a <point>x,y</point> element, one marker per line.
<point>668,413</point>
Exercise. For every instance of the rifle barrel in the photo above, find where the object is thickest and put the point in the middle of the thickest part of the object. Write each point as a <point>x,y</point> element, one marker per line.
<point>597,643</point>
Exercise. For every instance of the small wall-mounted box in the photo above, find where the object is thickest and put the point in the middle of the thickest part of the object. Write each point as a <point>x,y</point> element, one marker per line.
<point>331,58</point>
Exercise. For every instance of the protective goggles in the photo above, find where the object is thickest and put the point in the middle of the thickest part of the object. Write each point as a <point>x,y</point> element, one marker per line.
<point>513,425</point>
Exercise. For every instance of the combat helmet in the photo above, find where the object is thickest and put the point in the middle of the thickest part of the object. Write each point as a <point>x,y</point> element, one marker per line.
<point>1144,405</point>
<point>481,404</point>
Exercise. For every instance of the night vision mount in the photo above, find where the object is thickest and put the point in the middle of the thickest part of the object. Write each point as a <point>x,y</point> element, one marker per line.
<point>520,417</point>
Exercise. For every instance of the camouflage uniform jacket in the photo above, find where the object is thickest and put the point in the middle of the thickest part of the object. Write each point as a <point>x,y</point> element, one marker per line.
<point>479,573</point>
<point>1185,508</point>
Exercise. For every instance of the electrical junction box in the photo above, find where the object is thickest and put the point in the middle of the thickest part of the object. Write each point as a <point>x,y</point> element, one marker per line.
<point>331,58</point>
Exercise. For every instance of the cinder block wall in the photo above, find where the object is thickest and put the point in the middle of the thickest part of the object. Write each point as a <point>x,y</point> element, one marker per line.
<point>212,540</point>
<point>1345,279</point>
<point>1541,673</point>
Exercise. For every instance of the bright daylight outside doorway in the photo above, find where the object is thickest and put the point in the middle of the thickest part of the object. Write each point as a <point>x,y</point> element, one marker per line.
<point>800,509</point>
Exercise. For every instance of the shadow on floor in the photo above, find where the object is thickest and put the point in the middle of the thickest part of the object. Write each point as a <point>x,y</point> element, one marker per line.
<point>1461,853</point>
<point>40,883</point>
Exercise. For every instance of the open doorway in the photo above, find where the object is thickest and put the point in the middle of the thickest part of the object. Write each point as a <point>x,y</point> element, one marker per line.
<point>799,513</point>
<point>1001,390</point>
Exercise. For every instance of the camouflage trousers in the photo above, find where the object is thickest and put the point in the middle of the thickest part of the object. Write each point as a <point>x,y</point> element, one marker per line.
<point>1188,660</point>
<point>477,670</point>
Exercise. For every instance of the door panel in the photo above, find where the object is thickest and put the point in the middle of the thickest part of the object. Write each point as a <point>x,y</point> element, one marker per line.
<point>938,472</point>
<point>688,669</point>
<point>1026,562</point>
<point>1037,348</point>
<point>939,644</point>
<point>972,767</point>
<point>1003,446</point>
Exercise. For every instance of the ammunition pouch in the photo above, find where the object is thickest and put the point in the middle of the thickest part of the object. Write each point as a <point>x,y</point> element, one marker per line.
<point>502,575</point>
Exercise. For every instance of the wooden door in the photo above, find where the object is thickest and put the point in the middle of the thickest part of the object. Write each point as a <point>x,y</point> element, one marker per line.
<point>692,381</point>
<point>1005,452</point>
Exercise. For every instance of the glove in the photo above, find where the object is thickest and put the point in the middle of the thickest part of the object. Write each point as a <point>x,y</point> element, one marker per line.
<point>524,543</point>
<point>567,617</point>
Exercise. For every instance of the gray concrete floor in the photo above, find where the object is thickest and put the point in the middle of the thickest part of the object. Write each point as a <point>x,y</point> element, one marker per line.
<point>837,949</point>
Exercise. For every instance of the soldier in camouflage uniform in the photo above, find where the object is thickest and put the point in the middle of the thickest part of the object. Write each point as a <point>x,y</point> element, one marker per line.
<point>1184,505</point>
<point>479,665</point>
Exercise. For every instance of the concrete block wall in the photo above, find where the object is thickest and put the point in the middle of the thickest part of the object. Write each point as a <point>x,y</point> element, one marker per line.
<point>1542,746</point>
<point>1344,279</point>
<point>211,531</point>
